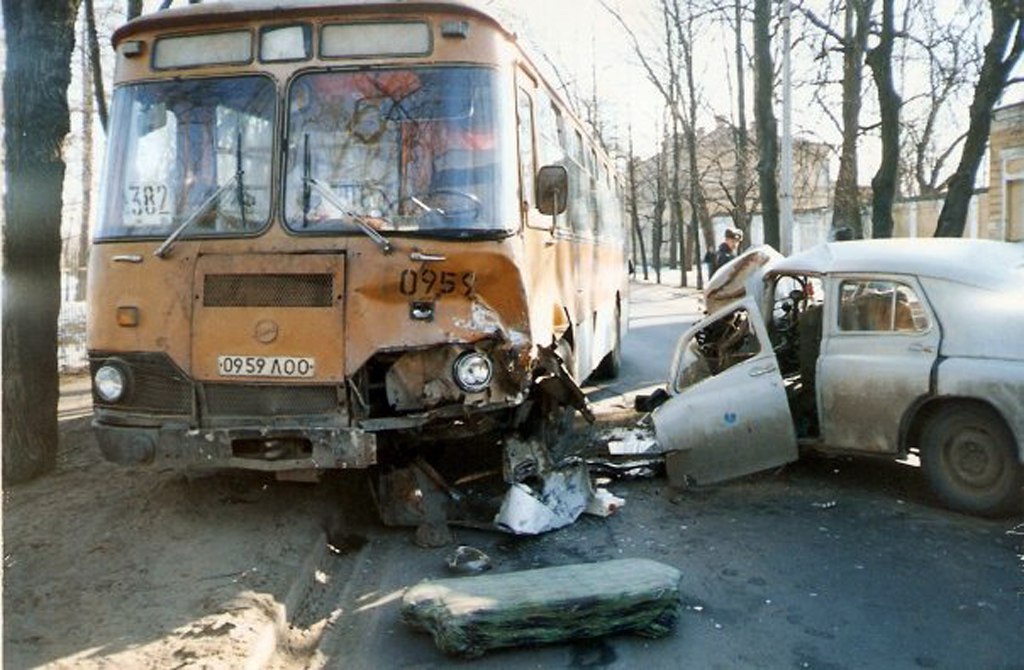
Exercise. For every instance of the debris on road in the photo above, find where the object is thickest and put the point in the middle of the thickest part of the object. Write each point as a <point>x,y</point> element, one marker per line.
<point>632,441</point>
<point>629,468</point>
<point>468,560</point>
<point>557,501</point>
<point>539,497</point>
<point>468,616</point>
<point>604,503</point>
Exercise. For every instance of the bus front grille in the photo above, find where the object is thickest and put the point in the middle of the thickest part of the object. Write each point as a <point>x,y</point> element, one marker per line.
<point>248,400</point>
<point>268,290</point>
<point>157,384</point>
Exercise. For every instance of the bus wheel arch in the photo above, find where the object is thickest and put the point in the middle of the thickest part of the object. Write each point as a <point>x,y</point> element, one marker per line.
<point>611,364</point>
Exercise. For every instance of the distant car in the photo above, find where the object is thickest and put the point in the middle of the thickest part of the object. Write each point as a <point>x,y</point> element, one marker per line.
<point>880,347</point>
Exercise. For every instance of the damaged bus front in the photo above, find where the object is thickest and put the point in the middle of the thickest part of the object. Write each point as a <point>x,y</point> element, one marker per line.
<point>312,246</point>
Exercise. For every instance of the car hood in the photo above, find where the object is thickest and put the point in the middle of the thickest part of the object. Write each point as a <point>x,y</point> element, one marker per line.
<point>731,281</point>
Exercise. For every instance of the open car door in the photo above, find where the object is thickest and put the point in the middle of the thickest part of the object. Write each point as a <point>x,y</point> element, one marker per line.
<point>727,415</point>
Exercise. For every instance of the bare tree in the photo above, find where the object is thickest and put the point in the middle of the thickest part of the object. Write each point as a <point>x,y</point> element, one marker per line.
<point>634,206</point>
<point>658,213</point>
<point>764,119</point>
<point>741,216</point>
<point>82,260</point>
<point>40,38</point>
<point>952,64</point>
<point>1001,55</point>
<point>852,43</point>
<point>94,62</point>
<point>698,203</point>
<point>883,184</point>
<point>672,101</point>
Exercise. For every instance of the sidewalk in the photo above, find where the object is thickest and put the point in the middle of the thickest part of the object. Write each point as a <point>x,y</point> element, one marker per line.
<point>75,396</point>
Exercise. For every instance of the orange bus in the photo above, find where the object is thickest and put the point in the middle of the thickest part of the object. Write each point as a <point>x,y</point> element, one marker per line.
<point>332,232</point>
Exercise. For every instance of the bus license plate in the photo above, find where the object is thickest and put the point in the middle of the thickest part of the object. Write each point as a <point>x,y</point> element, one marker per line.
<point>265,366</point>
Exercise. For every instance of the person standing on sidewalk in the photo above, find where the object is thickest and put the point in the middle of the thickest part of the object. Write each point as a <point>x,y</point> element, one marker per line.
<point>727,249</point>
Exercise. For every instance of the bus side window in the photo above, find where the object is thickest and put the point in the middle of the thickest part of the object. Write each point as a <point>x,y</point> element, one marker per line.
<point>579,187</point>
<point>548,125</point>
<point>527,165</point>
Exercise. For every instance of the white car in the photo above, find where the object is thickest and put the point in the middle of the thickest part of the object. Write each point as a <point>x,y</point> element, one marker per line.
<point>880,347</point>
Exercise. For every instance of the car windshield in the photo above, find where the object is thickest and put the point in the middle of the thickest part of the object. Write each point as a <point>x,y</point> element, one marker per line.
<point>413,149</point>
<point>189,149</point>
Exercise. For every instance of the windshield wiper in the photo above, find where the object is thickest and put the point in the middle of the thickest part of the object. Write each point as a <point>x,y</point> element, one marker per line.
<point>360,219</point>
<point>165,248</point>
<point>239,184</point>
<point>236,179</point>
<point>305,181</point>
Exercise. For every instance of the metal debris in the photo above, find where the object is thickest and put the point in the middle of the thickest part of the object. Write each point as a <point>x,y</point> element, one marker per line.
<point>604,503</point>
<point>555,501</point>
<point>468,560</point>
<point>632,441</point>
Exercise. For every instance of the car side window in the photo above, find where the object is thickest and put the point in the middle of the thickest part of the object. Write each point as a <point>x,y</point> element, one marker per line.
<point>880,306</point>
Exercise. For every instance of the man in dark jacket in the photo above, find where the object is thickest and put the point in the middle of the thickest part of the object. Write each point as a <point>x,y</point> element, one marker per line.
<point>727,249</point>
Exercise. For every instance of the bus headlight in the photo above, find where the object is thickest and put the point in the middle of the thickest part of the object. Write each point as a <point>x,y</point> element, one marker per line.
<point>110,383</point>
<point>472,372</point>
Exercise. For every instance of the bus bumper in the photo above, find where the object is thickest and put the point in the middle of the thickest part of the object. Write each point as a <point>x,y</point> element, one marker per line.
<point>251,449</point>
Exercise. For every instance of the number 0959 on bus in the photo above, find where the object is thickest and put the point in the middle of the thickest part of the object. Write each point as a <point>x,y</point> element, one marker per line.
<point>265,366</point>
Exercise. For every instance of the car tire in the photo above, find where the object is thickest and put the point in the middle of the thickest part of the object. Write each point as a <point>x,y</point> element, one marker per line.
<point>611,364</point>
<point>970,459</point>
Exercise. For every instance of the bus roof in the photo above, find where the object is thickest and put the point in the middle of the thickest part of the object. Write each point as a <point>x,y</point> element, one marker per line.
<point>228,10</point>
<point>245,10</point>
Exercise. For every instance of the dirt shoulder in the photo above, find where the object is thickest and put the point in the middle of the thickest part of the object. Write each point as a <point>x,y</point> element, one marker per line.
<point>134,567</point>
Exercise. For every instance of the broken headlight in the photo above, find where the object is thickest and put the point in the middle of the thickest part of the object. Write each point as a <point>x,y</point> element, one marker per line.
<point>472,371</point>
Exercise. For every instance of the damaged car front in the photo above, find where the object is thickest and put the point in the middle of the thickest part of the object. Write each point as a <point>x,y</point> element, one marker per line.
<point>877,347</point>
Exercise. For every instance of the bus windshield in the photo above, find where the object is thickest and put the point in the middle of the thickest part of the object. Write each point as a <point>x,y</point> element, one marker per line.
<point>195,152</point>
<point>416,149</point>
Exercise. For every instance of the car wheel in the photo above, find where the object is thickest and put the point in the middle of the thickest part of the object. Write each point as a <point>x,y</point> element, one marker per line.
<point>611,364</point>
<point>969,457</point>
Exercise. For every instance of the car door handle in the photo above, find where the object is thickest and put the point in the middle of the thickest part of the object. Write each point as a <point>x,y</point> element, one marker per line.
<point>922,348</point>
<point>757,372</point>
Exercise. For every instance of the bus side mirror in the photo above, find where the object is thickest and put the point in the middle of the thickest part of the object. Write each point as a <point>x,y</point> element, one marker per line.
<point>552,188</point>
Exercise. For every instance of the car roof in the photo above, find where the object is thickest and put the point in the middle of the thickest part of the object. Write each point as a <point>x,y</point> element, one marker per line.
<point>986,263</point>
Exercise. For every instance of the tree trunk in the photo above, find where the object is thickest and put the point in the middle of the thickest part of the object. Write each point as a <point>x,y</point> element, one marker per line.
<point>883,184</point>
<point>764,119</point>
<point>82,249</point>
<point>94,63</point>
<point>634,212</point>
<point>742,217</point>
<point>133,9</point>
<point>846,208</point>
<point>657,219</point>
<point>675,202</point>
<point>1007,25</point>
<point>40,37</point>
<point>698,203</point>
<point>678,252</point>
<point>669,11</point>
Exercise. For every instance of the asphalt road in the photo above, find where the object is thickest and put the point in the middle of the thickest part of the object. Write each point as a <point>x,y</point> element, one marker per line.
<point>827,563</point>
